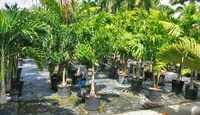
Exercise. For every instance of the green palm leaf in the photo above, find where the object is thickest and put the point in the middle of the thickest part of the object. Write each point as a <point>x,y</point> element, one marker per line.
<point>186,52</point>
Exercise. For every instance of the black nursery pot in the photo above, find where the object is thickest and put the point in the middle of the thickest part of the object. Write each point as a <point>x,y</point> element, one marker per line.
<point>162,80</point>
<point>177,86</point>
<point>18,85</point>
<point>136,85</point>
<point>191,94</point>
<point>54,82</point>
<point>19,71</point>
<point>21,84</point>
<point>91,103</point>
<point>148,76</point>
<point>64,91</point>
<point>155,94</point>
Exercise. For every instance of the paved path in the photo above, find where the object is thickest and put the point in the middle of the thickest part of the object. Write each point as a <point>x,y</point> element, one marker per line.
<point>36,83</point>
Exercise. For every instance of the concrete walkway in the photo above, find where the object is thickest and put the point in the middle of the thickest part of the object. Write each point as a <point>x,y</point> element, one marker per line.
<point>36,83</point>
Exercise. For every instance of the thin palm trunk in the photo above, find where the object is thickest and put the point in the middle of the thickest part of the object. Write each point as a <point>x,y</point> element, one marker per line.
<point>2,79</point>
<point>125,64</point>
<point>63,77</point>
<point>138,69</point>
<point>179,73</point>
<point>191,80</point>
<point>86,74</point>
<point>156,79</point>
<point>92,91</point>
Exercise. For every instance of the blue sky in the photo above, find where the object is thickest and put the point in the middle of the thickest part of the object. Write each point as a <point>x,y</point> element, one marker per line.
<point>29,3</point>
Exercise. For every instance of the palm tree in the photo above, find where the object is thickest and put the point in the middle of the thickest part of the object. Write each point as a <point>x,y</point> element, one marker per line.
<point>189,20</point>
<point>181,1</point>
<point>185,52</point>
<point>97,46</point>
<point>113,6</point>
<point>15,25</point>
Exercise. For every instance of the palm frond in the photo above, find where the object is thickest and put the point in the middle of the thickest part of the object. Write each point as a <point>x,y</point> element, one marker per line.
<point>186,52</point>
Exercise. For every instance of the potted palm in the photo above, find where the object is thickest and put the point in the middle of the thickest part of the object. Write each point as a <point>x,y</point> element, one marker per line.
<point>185,52</point>
<point>85,52</point>
<point>93,52</point>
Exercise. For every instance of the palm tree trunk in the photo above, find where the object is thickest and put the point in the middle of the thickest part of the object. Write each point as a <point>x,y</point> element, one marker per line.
<point>86,74</point>
<point>125,64</point>
<point>2,79</point>
<point>179,73</point>
<point>92,90</point>
<point>191,81</point>
<point>63,77</point>
<point>156,79</point>
<point>138,71</point>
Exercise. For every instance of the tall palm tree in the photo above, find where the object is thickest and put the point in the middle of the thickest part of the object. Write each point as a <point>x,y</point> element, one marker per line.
<point>189,20</point>
<point>15,25</point>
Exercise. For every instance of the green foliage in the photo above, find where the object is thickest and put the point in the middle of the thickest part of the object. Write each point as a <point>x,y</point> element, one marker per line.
<point>38,55</point>
<point>185,52</point>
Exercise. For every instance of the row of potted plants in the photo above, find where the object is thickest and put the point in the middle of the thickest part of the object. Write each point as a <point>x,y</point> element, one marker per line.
<point>90,36</point>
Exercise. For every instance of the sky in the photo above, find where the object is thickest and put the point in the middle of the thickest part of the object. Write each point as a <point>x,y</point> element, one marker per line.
<point>29,3</point>
<point>21,3</point>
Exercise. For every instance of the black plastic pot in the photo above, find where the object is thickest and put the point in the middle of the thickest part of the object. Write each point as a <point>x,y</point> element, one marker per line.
<point>123,79</point>
<point>20,85</point>
<point>162,80</point>
<point>136,85</point>
<point>177,86</point>
<point>113,73</point>
<point>54,84</point>
<point>20,62</point>
<point>19,71</point>
<point>155,94</point>
<point>64,91</point>
<point>148,76</point>
<point>191,94</point>
<point>198,76</point>
<point>92,104</point>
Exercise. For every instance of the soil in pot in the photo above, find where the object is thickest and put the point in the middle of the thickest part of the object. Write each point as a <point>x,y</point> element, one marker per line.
<point>155,94</point>
<point>177,86</point>
<point>136,85</point>
<point>191,94</point>
<point>64,91</point>
<point>92,103</point>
